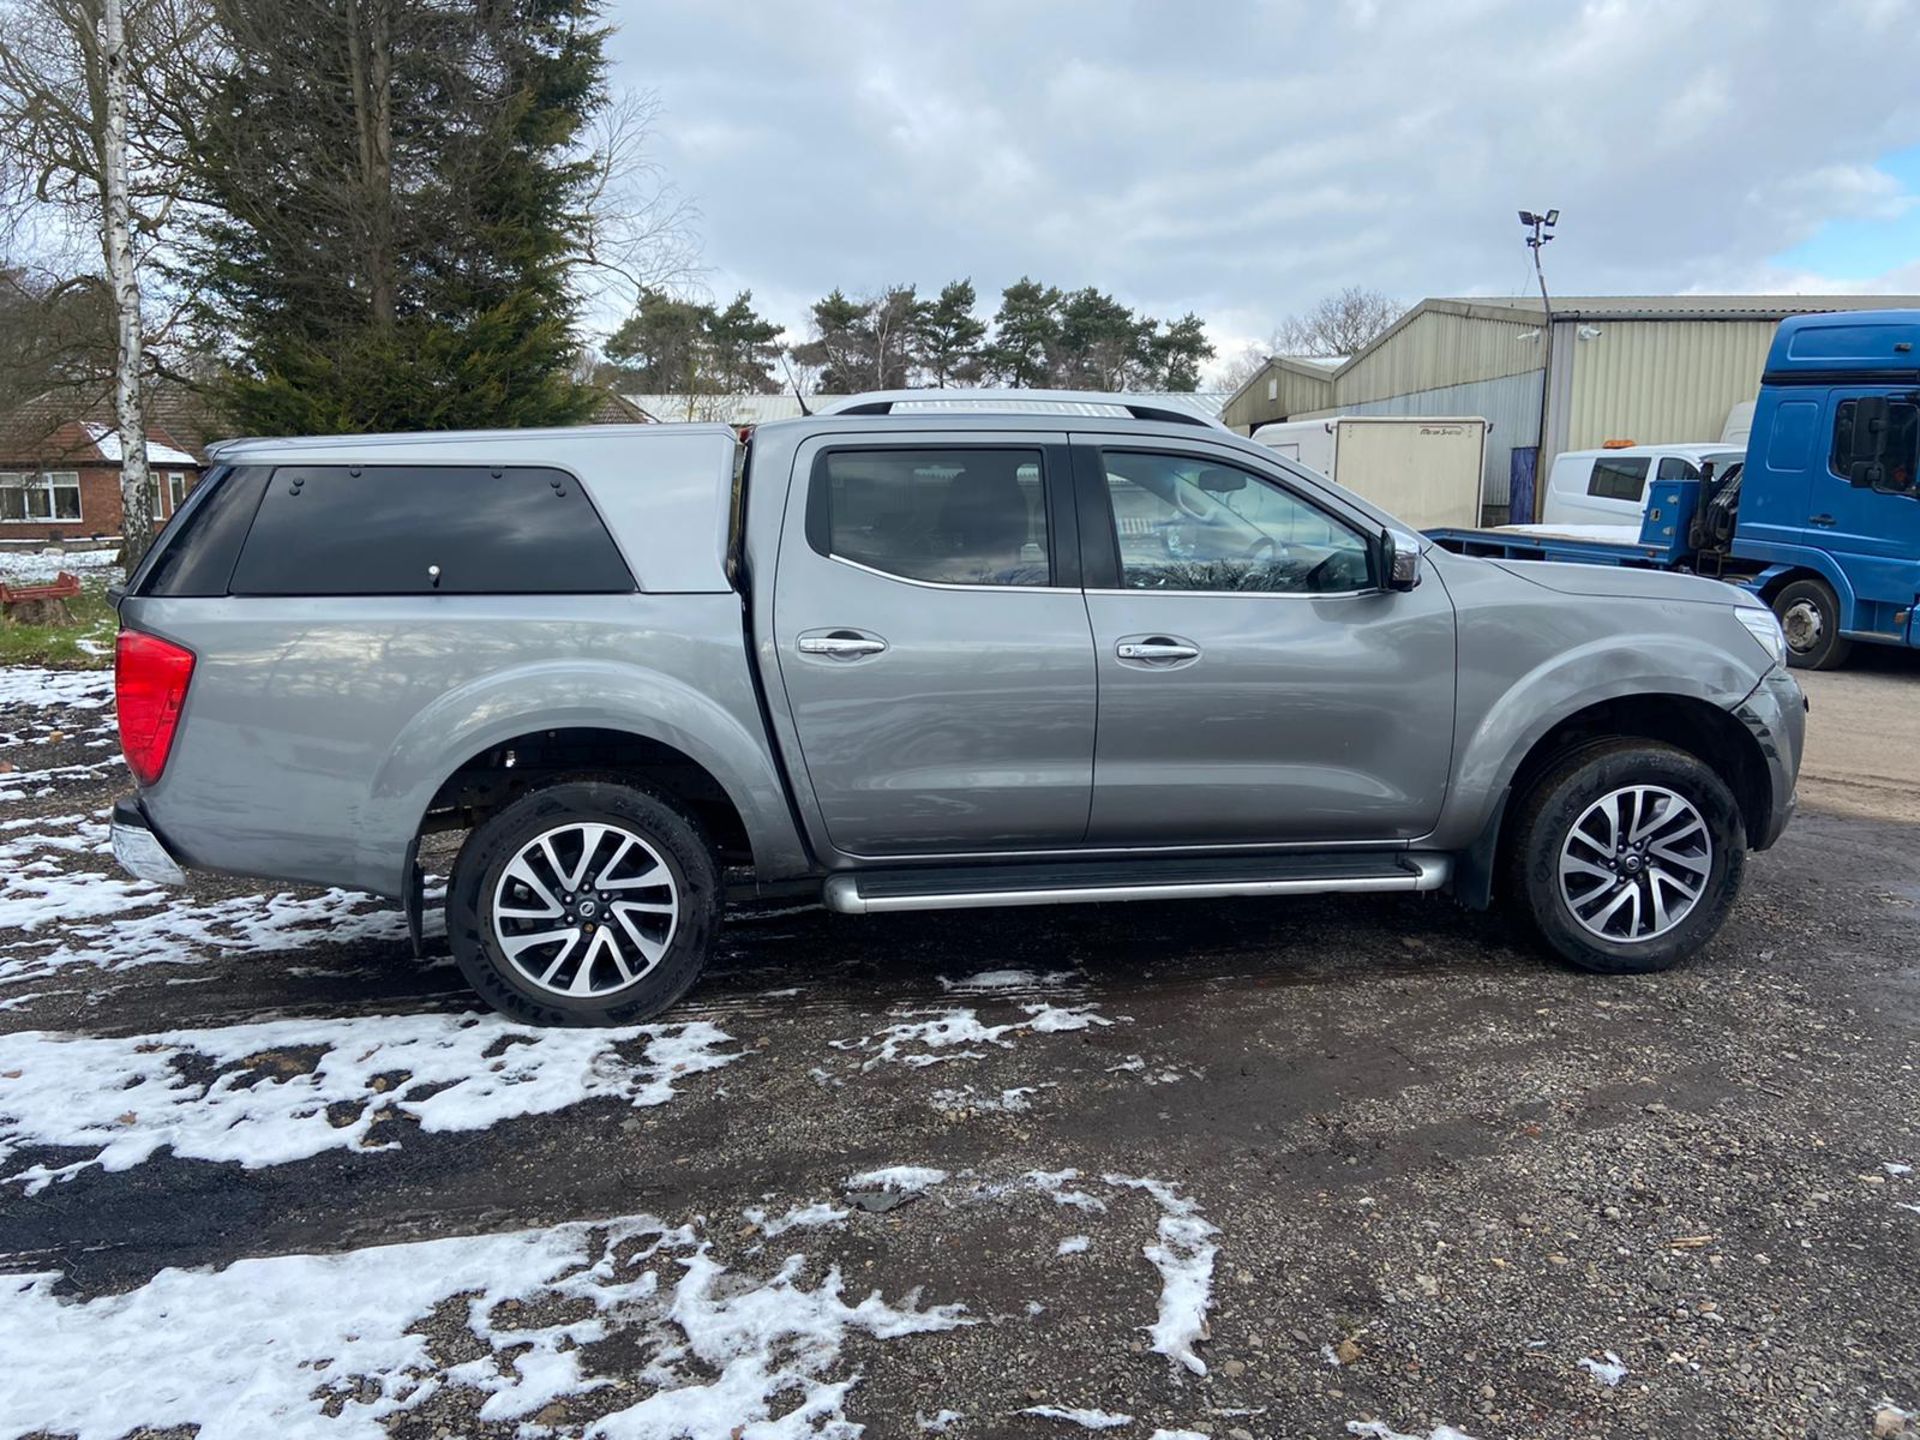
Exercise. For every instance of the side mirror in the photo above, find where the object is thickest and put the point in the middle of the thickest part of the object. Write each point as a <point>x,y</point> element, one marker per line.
<point>1399,564</point>
<point>1872,416</point>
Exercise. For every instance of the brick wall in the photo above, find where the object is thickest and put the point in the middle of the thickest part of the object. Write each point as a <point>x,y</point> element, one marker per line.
<point>99,504</point>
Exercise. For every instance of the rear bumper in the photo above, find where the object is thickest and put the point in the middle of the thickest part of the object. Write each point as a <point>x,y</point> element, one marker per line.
<point>1776,714</point>
<point>138,848</point>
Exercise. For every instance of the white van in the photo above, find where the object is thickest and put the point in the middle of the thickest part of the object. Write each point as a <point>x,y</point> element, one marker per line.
<point>1609,487</point>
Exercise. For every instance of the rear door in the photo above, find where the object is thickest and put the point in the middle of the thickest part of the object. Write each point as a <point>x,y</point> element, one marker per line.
<point>1256,682</point>
<point>933,642</point>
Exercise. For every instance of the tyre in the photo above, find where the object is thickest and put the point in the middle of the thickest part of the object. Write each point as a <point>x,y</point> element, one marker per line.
<point>1626,857</point>
<point>587,902</point>
<point>1809,612</point>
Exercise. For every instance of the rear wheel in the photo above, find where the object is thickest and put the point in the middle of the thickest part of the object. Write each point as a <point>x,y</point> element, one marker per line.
<point>1627,857</point>
<point>588,902</point>
<point>1809,613</point>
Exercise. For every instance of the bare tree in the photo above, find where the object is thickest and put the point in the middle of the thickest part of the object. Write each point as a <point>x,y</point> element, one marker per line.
<point>638,231</point>
<point>1341,324</point>
<point>92,124</point>
<point>1241,367</point>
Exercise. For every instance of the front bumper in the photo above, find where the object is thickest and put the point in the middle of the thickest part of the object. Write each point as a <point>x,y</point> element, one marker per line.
<point>139,849</point>
<point>1776,715</point>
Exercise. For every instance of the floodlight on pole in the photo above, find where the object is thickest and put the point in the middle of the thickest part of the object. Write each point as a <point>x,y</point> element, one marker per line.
<point>1541,225</point>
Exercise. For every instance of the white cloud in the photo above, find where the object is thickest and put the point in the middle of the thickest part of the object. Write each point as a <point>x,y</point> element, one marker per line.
<point>1243,159</point>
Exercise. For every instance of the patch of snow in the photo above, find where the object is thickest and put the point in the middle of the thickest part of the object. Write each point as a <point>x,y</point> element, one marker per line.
<point>800,1217</point>
<point>967,1099</point>
<point>106,439</point>
<point>34,685</point>
<point>1903,1205</point>
<point>897,1177</point>
<point>185,931</point>
<point>267,1346</point>
<point>1184,1257</point>
<point>1379,1430</point>
<point>1055,1182</point>
<point>1179,1435</point>
<point>1895,1168</point>
<point>987,981</point>
<point>259,1094</point>
<point>30,567</point>
<point>1331,1356</point>
<point>1609,1371</point>
<point>953,1033</point>
<point>939,1422</point>
<point>1074,1245</point>
<point>1089,1419</point>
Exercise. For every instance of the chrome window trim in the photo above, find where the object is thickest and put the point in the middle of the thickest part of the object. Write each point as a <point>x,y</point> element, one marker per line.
<point>1254,594</point>
<point>955,584</point>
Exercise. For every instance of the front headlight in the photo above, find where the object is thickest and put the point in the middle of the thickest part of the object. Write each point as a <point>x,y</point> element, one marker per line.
<point>1764,627</point>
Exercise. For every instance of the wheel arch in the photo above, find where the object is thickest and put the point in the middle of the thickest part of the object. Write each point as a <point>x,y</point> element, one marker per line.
<point>1708,731</point>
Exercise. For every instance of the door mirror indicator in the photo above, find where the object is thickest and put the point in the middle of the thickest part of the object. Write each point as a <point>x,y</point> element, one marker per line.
<point>1399,561</point>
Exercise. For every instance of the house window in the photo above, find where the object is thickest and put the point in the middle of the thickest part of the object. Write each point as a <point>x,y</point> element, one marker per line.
<point>54,495</point>
<point>176,483</point>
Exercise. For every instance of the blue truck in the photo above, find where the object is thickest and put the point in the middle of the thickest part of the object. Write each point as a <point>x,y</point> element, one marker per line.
<point>1821,520</point>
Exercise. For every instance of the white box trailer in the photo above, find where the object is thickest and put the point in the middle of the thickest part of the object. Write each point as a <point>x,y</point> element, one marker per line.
<point>1426,471</point>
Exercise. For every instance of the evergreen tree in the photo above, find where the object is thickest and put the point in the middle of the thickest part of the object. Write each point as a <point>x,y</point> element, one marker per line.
<point>742,346</point>
<point>949,336</point>
<point>1103,345</point>
<point>863,344</point>
<point>660,349</point>
<point>1026,334</point>
<point>1178,352</point>
<point>396,194</point>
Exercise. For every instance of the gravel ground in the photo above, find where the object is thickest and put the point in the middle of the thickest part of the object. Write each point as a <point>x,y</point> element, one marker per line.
<point>1402,1169</point>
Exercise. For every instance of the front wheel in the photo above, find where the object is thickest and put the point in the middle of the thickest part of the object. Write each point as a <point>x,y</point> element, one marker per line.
<point>1627,857</point>
<point>587,902</point>
<point>1809,614</point>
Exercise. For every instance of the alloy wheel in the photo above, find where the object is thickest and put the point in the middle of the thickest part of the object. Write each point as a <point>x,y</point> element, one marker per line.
<point>585,909</point>
<point>1635,863</point>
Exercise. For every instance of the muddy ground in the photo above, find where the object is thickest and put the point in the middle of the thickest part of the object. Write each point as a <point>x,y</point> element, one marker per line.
<point>1421,1173</point>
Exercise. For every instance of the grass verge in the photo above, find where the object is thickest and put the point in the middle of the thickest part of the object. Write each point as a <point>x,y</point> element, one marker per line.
<point>87,644</point>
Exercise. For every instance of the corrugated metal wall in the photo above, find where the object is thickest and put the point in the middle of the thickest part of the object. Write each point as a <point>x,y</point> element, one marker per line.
<point>1296,393</point>
<point>1438,349</point>
<point>1511,406</point>
<point>1664,380</point>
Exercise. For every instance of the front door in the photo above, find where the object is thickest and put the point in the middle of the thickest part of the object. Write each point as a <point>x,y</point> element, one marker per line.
<point>1256,682</point>
<point>937,665</point>
<point>1870,533</point>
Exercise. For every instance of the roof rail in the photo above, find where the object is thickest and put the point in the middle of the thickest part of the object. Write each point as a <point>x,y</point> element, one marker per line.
<point>1015,402</point>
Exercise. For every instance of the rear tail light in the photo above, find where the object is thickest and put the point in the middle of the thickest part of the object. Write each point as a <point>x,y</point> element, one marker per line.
<point>150,678</point>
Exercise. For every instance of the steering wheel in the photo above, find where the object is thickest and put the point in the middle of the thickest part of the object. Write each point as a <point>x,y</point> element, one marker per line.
<point>1262,551</point>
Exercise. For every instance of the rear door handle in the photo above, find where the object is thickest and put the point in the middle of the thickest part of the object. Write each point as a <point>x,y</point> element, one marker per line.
<point>842,645</point>
<point>1820,519</point>
<point>1156,650</point>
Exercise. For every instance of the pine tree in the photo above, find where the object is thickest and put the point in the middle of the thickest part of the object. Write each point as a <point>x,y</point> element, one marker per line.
<point>396,200</point>
<point>949,336</point>
<point>1026,333</point>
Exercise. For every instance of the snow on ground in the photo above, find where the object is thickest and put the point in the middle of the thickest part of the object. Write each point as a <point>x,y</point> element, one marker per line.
<point>1178,1435</point>
<point>1090,1419</point>
<point>332,1345</point>
<point>958,1032</point>
<point>987,982</point>
<point>32,685</point>
<point>1074,1245</point>
<point>800,1217</point>
<point>1608,1371</point>
<point>1184,1257</point>
<point>185,932</point>
<point>278,1091</point>
<point>29,567</point>
<point>968,1101</point>
<point>1380,1430</point>
<point>898,1177</point>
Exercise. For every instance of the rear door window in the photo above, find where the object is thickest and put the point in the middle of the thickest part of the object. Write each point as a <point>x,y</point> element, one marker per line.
<point>1619,477</point>
<point>425,530</point>
<point>972,516</point>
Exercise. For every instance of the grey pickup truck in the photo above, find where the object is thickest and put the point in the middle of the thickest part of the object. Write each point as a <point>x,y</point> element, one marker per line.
<point>918,651</point>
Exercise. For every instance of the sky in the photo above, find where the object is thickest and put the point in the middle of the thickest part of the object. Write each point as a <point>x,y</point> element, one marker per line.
<point>1242,158</point>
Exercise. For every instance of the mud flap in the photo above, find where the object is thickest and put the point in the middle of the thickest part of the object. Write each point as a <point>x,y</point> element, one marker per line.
<point>415,899</point>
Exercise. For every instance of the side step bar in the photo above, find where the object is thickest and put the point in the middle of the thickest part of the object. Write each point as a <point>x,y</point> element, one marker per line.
<point>873,892</point>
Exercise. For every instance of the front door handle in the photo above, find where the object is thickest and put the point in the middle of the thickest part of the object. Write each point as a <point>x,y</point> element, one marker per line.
<point>1156,650</point>
<point>842,645</point>
<point>1820,519</point>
